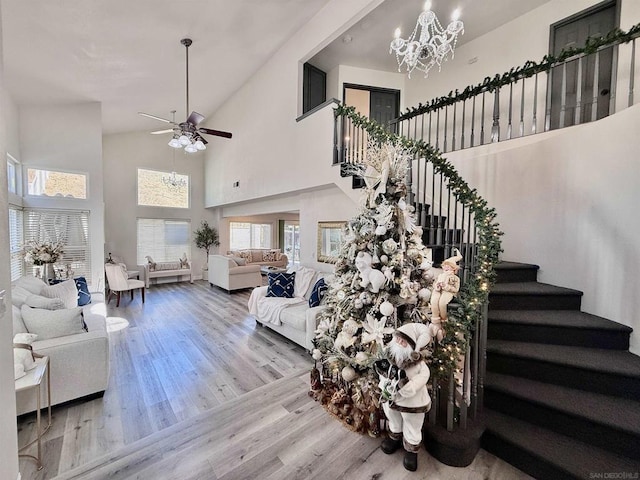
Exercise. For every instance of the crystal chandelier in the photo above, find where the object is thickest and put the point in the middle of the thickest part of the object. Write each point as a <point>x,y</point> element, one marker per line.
<point>172,181</point>
<point>431,46</point>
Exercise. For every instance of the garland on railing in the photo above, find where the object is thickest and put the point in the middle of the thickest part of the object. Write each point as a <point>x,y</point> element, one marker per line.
<point>475,291</point>
<point>529,69</point>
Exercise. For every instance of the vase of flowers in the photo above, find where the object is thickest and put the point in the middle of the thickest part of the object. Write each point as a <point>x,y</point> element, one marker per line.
<point>43,254</point>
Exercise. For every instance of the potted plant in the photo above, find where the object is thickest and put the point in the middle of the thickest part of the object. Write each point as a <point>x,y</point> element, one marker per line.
<point>206,237</point>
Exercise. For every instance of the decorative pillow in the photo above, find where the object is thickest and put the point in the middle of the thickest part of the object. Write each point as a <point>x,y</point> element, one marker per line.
<point>53,323</point>
<point>281,285</point>
<point>269,255</point>
<point>246,254</point>
<point>84,297</point>
<point>239,260</point>
<point>38,301</point>
<point>317,293</point>
<point>66,291</point>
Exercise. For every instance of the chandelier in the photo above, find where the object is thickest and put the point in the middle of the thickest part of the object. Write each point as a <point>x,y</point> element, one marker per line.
<point>431,46</point>
<point>172,181</point>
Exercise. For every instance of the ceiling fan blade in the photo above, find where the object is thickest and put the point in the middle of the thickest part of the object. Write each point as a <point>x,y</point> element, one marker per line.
<point>218,133</point>
<point>154,117</point>
<point>195,118</point>
<point>160,132</point>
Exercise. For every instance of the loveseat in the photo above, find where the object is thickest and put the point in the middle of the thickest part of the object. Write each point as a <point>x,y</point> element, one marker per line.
<point>224,272</point>
<point>79,362</point>
<point>272,257</point>
<point>292,318</point>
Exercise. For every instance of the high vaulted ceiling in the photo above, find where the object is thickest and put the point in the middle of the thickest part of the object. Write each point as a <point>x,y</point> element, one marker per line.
<point>127,54</point>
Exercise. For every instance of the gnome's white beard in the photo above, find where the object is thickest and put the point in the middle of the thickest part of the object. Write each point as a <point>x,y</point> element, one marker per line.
<point>399,354</point>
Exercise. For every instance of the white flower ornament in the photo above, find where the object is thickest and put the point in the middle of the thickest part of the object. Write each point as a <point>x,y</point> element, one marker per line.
<point>375,330</point>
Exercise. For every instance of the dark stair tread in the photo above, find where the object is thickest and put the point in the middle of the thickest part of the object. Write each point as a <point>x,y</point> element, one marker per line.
<point>619,413</point>
<point>530,288</point>
<point>576,458</point>
<point>557,318</point>
<point>616,362</point>
<point>505,265</point>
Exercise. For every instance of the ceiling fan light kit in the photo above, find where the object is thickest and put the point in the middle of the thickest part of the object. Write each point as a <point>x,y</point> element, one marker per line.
<point>187,134</point>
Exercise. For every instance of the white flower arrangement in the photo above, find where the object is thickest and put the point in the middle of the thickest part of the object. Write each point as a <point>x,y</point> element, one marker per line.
<point>40,253</point>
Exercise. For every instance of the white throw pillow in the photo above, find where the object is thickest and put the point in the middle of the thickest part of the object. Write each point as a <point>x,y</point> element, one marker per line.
<point>38,301</point>
<point>53,323</point>
<point>65,291</point>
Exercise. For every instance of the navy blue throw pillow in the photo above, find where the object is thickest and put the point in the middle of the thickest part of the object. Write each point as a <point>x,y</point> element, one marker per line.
<point>317,293</point>
<point>281,285</point>
<point>84,297</point>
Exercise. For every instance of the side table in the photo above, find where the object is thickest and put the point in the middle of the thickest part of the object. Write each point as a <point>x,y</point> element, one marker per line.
<point>33,380</point>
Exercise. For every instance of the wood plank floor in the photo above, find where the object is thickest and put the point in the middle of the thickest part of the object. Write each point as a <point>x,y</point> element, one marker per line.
<point>198,391</point>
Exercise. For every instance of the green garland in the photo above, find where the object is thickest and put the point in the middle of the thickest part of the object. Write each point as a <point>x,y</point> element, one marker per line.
<point>529,69</point>
<point>475,292</point>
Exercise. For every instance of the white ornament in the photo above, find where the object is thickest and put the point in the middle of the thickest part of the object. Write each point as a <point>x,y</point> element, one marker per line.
<point>362,358</point>
<point>341,295</point>
<point>387,308</point>
<point>349,374</point>
<point>317,354</point>
<point>424,294</point>
<point>358,303</point>
<point>381,230</point>
<point>389,246</point>
<point>384,259</point>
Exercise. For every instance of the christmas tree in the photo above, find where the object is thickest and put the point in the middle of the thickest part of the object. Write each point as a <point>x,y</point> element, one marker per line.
<point>382,281</point>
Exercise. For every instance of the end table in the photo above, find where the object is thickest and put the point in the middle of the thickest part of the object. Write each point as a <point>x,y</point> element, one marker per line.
<point>33,380</point>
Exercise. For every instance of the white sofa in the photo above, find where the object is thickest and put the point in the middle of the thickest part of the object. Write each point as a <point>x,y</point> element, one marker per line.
<point>296,321</point>
<point>79,363</point>
<point>158,272</point>
<point>225,273</point>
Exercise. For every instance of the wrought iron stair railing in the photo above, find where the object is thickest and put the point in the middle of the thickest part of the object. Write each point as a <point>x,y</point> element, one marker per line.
<point>452,215</point>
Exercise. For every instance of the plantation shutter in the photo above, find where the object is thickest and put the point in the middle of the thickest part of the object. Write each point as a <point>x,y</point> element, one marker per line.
<point>163,240</point>
<point>68,226</point>
<point>16,240</point>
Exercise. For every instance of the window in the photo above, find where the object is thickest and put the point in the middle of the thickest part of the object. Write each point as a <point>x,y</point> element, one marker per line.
<point>16,240</point>
<point>162,189</point>
<point>51,183</point>
<point>163,240</point>
<point>12,175</point>
<point>68,226</point>
<point>249,235</point>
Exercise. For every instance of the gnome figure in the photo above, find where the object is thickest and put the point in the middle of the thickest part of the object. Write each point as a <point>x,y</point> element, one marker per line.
<point>403,382</point>
<point>445,287</point>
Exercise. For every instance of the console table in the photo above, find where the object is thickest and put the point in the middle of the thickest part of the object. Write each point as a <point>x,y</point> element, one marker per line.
<point>33,380</point>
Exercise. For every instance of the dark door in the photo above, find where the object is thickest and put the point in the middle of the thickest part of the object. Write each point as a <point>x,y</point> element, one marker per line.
<point>574,33</point>
<point>384,106</point>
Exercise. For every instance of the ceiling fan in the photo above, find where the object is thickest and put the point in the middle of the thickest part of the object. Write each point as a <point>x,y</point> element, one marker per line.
<point>187,134</point>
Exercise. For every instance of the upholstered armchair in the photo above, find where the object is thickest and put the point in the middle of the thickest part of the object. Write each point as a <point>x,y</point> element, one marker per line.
<point>119,282</point>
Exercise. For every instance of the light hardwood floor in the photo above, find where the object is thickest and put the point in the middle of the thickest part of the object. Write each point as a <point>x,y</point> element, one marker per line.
<point>198,391</point>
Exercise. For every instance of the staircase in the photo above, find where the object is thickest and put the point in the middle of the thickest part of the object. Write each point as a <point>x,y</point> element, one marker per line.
<point>562,391</point>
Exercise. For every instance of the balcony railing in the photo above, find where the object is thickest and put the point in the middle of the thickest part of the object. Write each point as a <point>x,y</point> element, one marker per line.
<point>578,86</point>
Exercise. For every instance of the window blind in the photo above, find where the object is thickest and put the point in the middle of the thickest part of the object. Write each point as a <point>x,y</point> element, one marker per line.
<point>16,240</point>
<point>163,240</point>
<point>68,226</point>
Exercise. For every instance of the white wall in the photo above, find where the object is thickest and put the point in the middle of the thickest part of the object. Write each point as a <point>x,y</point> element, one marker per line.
<point>123,154</point>
<point>68,138</point>
<point>568,202</point>
<point>8,426</point>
